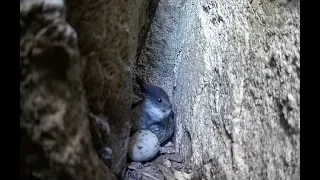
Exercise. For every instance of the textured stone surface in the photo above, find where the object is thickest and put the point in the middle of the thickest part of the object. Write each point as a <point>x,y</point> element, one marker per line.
<point>108,39</point>
<point>55,142</point>
<point>156,60</point>
<point>231,68</point>
<point>234,68</point>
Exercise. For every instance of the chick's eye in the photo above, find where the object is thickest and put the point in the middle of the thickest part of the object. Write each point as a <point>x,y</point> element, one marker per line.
<point>160,100</point>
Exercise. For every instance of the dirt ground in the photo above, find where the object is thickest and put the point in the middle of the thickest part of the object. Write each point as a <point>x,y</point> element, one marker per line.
<point>167,165</point>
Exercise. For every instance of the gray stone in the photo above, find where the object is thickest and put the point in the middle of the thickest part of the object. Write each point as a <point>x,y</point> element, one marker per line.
<point>108,41</point>
<point>55,141</point>
<point>231,70</point>
<point>235,71</point>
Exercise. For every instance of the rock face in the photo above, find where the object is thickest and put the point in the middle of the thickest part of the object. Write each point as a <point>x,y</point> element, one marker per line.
<point>96,78</point>
<point>234,69</point>
<point>55,141</point>
<point>231,70</point>
<point>108,40</point>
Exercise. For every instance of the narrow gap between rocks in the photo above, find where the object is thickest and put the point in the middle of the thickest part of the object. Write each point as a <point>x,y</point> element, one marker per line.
<point>155,65</point>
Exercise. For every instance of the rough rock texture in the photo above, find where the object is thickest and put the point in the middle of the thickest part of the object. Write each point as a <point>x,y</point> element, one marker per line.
<point>55,141</point>
<point>156,60</point>
<point>231,68</point>
<point>108,39</point>
<point>234,68</point>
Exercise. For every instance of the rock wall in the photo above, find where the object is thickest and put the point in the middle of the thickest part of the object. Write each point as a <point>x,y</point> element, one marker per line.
<point>233,71</point>
<point>109,32</point>
<point>55,141</point>
<point>237,93</point>
<point>156,61</point>
<point>96,60</point>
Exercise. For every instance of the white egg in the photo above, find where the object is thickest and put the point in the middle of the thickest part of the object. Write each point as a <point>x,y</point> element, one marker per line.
<point>143,146</point>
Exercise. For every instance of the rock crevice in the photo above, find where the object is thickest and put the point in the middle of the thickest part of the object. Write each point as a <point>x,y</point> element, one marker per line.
<point>231,70</point>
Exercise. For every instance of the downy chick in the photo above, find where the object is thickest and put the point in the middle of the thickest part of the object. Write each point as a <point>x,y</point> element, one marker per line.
<point>153,112</point>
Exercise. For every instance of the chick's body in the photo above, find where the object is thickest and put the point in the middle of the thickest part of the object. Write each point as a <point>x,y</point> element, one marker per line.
<point>154,113</point>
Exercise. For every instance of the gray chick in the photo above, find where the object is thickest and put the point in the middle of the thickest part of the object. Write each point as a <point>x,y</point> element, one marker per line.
<point>153,112</point>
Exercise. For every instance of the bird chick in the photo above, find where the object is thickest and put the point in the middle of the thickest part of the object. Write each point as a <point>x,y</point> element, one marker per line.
<point>153,112</point>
